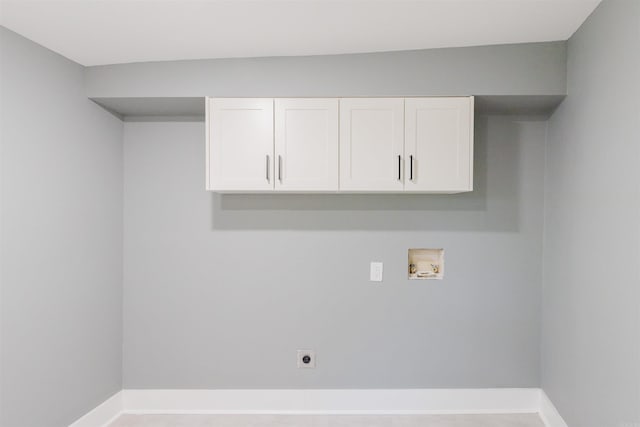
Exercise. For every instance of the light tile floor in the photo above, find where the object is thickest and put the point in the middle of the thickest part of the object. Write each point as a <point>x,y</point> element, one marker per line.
<point>510,420</point>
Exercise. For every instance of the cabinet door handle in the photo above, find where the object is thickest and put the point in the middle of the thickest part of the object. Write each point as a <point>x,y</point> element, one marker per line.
<point>411,168</point>
<point>399,168</point>
<point>267,168</point>
<point>279,168</point>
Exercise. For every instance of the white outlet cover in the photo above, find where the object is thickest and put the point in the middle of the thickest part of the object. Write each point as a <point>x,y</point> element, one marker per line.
<point>312,362</point>
<point>375,273</point>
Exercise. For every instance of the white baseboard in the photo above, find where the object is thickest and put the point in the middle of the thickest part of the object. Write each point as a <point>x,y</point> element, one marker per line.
<point>549,413</point>
<point>398,401</point>
<point>102,414</point>
<point>392,401</point>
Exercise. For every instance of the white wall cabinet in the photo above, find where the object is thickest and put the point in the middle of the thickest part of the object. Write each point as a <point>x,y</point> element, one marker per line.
<point>240,144</point>
<point>421,145</point>
<point>306,144</point>
<point>438,144</point>
<point>371,144</point>
<point>257,145</point>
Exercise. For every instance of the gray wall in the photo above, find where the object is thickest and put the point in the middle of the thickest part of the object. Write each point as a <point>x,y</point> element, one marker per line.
<point>591,295</point>
<point>289,272</point>
<point>519,69</point>
<point>220,291</point>
<point>61,246</point>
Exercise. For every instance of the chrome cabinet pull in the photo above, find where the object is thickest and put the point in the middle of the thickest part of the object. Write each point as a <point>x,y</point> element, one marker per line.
<point>279,168</point>
<point>267,168</point>
<point>399,168</point>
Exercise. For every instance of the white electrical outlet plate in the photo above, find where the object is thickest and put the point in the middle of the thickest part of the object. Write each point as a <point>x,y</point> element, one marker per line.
<point>306,359</point>
<point>375,273</point>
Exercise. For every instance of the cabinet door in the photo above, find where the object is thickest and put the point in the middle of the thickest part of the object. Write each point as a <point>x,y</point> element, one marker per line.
<point>306,144</point>
<point>240,144</point>
<point>371,144</point>
<point>439,144</point>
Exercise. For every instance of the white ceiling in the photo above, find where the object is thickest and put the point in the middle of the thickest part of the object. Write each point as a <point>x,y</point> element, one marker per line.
<point>94,32</point>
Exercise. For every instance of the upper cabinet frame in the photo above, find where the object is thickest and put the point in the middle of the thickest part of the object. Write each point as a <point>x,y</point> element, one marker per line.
<point>348,145</point>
